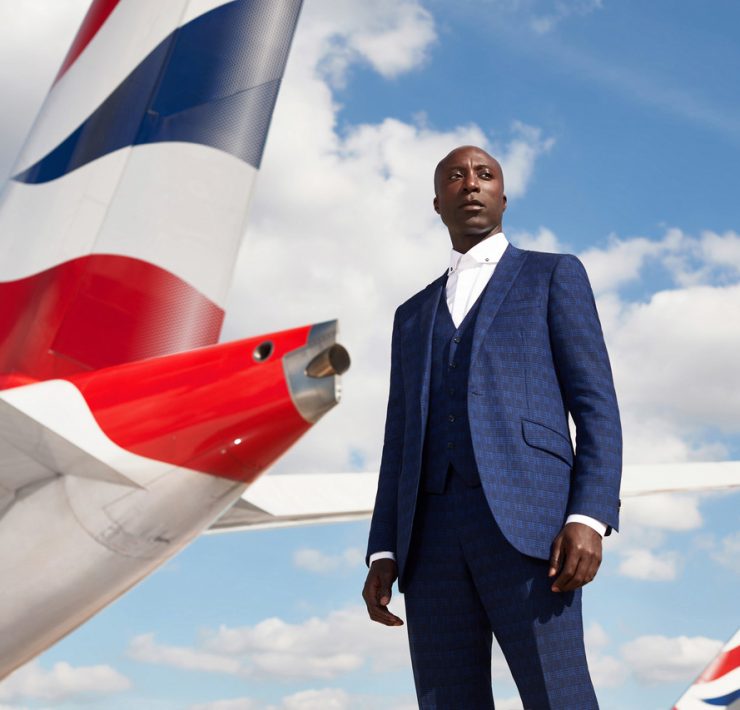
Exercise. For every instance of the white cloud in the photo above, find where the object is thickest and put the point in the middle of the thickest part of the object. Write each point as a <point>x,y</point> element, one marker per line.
<point>542,24</point>
<point>643,527</point>
<point>666,511</point>
<point>62,682</point>
<point>518,157</point>
<point>230,704</point>
<point>319,562</point>
<point>660,437</point>
<point>620,261</point>
<point>606,670</point>
<point>543,239</point>
<point>648,565</point>
<point>145,649</point>
<point>662,659</point>
<point>392,37</point>
<point>710,258</point>
<point>317,648</point>
<point>539,16</point>
<point>675,356</point>
<point>313,699</point>
<point>327,699</point>
<point>722,249</point>
<point>727,552</point>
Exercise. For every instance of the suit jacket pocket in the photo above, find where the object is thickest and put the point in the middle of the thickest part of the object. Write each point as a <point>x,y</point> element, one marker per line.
<point>541,436</point>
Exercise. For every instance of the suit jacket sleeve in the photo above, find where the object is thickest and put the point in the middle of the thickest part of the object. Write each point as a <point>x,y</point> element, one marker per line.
<point>384,520</point>
<point>585,376</point>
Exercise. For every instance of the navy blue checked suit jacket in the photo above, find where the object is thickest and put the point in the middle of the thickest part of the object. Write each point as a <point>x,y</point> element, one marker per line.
<point>538,354</point>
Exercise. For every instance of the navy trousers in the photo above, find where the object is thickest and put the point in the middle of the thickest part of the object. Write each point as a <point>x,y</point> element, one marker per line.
<point>466,582</point>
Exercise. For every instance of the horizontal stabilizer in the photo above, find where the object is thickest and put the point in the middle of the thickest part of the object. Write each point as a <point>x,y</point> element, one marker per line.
<point>32,450</point>
<point>299,499</point>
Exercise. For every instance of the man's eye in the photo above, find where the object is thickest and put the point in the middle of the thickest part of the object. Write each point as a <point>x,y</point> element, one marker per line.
<point>486,174</point>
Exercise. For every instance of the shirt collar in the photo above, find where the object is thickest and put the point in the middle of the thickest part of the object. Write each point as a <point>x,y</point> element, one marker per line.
<point>489,251</point>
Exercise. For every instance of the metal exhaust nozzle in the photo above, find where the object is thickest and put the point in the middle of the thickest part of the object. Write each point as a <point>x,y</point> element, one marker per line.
<point>315,387</point>
<point>332,361</point>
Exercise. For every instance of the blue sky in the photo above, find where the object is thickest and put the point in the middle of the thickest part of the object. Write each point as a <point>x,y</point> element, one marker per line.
<point>618,124</point>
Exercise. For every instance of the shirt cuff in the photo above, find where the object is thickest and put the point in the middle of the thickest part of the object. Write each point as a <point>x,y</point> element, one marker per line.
<point>587,520</point>
<point>381,556</point>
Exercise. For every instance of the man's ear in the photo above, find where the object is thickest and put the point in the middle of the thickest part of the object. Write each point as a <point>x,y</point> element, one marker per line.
<point>504,203</point>
<point>436,204</point>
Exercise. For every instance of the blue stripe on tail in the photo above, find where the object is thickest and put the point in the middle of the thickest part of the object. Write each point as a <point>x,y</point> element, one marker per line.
<point>213,81</point>
<point>724,701</point>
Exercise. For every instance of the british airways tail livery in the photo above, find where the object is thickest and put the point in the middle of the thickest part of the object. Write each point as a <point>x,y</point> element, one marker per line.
<point>125,428</point>
<point>718,687</point>
<point>120,226</point>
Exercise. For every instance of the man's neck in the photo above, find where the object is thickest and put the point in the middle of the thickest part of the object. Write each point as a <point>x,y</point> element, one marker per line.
<point>463,243</point>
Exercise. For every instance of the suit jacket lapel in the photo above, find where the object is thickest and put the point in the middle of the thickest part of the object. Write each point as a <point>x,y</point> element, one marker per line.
<point>426,324</point>
<point>501,281</point>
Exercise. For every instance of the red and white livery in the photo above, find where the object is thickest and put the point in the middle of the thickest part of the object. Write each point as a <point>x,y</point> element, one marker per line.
<point>718,687</point>
<point>125,428</point>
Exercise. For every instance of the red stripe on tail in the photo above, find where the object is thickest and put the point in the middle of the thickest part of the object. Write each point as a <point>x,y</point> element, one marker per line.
<point>97,311</point>
<point>94,20</point>
<point>723,664</point>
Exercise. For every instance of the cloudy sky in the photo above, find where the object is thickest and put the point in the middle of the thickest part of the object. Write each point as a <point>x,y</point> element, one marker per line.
<point>618,125</point>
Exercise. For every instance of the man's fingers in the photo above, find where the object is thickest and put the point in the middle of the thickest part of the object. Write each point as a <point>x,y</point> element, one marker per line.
<point>566,573</point>
<point>377,593</point>
<point>578,549</point>
<point>384,594</point>
<point>377,610</point>
<point>576,579</point>
<point>576,574</point>
<point>593,568</point>
<point>383,616</point>
<point>555,556</point>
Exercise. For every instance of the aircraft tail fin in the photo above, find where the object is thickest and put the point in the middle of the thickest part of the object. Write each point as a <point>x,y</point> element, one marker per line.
<point>718,687</point>
<point>120,226</point>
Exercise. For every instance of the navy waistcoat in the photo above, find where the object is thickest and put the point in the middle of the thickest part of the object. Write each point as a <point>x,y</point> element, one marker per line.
<point>448,439</point>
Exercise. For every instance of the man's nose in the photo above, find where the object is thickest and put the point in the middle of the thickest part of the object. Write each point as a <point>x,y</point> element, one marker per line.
<point>470,183</point>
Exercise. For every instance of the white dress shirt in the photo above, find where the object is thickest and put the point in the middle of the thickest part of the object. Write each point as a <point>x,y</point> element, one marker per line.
<point>467,276</point>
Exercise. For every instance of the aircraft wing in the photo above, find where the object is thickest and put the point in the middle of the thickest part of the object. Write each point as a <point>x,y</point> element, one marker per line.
<point>693,476</point>
<point>299,499</point>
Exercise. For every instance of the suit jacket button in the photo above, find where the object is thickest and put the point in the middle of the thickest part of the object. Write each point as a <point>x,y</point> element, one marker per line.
<point>451,417</point>
<point>456,340</point>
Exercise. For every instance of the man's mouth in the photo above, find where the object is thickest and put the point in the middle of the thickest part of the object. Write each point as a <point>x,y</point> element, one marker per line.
<point>471,204</point>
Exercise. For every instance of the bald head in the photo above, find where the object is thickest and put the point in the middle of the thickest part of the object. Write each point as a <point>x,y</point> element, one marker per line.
<point>456,154</point>
<point>469,195</point>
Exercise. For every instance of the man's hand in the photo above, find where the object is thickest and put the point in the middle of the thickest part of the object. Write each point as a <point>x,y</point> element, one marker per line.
<point>576,554</point>
<point>377,592</point>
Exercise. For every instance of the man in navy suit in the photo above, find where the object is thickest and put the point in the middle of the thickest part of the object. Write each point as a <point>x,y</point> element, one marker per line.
<point>484,513</point>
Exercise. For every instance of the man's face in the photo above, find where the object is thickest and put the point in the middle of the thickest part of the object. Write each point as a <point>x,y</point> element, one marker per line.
<point>469,192</point>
